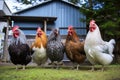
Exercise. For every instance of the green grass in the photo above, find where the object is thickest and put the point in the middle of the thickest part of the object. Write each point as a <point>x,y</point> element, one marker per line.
<point>112,72</point>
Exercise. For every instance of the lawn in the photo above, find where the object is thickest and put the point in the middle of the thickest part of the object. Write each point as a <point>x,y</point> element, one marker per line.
<point>112,72</point>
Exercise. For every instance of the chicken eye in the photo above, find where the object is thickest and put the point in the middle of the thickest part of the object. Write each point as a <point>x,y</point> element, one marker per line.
<point>16,33</point>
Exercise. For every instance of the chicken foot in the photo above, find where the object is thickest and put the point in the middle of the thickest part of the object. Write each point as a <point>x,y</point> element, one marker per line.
<point>56,63</point>
<point>102,69</point>
<point>78,67</point>
<point>74,66</point>
<point>93,68</point>
<point>23,67</point>
<point>16,67</point>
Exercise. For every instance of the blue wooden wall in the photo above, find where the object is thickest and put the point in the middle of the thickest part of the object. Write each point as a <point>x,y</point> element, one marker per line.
<point>66,14</point>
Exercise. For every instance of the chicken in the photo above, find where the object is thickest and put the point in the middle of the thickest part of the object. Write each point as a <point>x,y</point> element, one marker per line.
<point>97,50</point>
<point>74,48</point>
<point>55,48</point>
<point>39,47</point>
<point>18,49</point>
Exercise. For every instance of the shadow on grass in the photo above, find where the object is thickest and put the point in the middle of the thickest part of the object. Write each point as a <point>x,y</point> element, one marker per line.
<point>116,79</point>
<point>10,66</point>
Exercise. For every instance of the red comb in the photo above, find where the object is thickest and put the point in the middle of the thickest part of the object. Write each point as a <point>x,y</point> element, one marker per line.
<point>39,29</point>
<point>70,26</point>
<point>15,28</point>
<point>92,21</point>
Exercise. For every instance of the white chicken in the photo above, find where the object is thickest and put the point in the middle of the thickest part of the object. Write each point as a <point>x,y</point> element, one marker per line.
<point>97,50</point>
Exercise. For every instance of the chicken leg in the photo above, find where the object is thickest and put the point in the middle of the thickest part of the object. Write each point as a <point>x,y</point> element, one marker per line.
<point>16,67</point>
<point>23,67</point>
<point>78,67</point>
<point>93,68</point>
<point>102,69</point>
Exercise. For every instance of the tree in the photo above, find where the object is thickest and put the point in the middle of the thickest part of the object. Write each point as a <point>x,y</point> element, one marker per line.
<point>29,1</point>
<point>74,1</point>
<point>106,13</point>
<point>26,2</point>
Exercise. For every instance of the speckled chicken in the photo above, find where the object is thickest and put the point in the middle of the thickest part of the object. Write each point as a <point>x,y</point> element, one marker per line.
<point>55,48</point>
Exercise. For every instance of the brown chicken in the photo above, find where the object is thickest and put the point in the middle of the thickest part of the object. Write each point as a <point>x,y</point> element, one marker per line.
<point>74,48</point>
<point>39,47</point>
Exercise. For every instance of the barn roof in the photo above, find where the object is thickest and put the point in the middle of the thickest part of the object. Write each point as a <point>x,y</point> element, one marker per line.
<point>30,18</point>
<point>4,8</point>
<point>45,2</point>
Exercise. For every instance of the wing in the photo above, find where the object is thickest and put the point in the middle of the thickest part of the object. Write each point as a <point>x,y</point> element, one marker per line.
<point>19,49</point>
<point>77,47</point>
<point>55,50</point>
<point>12,49</point>
<point>55,46</point>
<point>25,49</point>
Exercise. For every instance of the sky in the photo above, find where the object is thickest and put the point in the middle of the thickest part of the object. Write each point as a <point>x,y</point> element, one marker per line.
<point>15,6</point>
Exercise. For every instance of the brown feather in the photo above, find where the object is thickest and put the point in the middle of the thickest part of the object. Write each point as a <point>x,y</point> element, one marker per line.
<point>40,40</point>
<point>74,48</point>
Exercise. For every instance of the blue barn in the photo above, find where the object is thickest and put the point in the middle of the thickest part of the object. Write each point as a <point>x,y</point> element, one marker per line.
<point>48,15</point>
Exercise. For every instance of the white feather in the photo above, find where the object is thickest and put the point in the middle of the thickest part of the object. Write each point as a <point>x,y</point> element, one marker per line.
<point>97,50</point>
<point>21,38</point>
<point>39,55</point>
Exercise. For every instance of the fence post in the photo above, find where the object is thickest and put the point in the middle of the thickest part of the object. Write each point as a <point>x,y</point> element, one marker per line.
<point>5,48</point>
<point>45,26</point>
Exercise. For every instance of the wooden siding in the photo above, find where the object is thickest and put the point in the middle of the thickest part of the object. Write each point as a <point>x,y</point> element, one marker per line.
<point>65,13</point>
<point>29,25</point>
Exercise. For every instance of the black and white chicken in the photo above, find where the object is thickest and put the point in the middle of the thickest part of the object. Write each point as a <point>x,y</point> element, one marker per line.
<point>19,50</point>
<point>55,48</point>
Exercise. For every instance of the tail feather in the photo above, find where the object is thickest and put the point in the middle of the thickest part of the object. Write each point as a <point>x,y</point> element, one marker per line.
<point>112,41</point>
<point>111,44</point>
